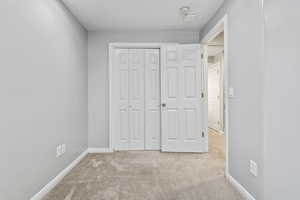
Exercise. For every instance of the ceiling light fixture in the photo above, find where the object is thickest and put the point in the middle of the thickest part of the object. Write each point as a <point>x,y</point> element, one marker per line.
<point>186,14</point>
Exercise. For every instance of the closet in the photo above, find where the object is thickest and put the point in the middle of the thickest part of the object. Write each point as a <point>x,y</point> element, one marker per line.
<point>158,98</point>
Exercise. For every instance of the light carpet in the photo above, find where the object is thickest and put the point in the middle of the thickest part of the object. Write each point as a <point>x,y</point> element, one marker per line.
<point>149,175</point>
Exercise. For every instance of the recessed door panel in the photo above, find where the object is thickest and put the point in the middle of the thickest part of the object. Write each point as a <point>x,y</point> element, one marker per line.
<point>124,129</point>
<point>137,130</point>
<point>190,124</point>
<point>190,83</point>
<point>173,118</point>
<point>172,78</point>
<point>124,84</point>
<point>155,83</point>
<point>135,84</point>
<point>155,128</point>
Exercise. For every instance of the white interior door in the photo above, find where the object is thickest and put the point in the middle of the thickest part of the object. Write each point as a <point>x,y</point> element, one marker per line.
<point>152,99</point>
<point>214,96</point>
<point>184,118</point>
<point>129,92</point>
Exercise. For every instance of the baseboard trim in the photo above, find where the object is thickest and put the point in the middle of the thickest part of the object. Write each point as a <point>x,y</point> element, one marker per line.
<point>47,188</point>
<point>239,187</point>
<point>100,150</point>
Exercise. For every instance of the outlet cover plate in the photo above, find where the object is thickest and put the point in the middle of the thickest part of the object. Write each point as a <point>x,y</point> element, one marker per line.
<point>58,151</point>
<point>253,168</point>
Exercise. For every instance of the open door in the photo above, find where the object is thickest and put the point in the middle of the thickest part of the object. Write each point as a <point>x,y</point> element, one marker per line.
<point>183,97</point>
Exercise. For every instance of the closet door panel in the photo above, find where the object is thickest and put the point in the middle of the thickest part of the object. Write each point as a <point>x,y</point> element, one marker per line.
<point>152,113</point>
<point>137,99</point>
<point>121,93</point>
<point>137,88</point>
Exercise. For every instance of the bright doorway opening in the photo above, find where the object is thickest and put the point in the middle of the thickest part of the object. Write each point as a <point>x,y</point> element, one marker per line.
<point>217,87</point>
<point>215,91</point>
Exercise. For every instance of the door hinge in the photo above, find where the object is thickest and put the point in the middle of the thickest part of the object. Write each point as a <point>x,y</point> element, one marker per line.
<point>203,135</point>
<point>202,95</point>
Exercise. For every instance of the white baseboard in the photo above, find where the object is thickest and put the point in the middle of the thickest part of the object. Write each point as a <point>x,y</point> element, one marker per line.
<point>239,187</point>
<point>100,150</point>
<point>47,188</point>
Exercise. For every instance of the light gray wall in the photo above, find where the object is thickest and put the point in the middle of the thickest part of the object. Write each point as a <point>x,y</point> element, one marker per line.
<point>282,103</point>
<point>43,98</point>
<point>245,56</point>
<point>98,74</point>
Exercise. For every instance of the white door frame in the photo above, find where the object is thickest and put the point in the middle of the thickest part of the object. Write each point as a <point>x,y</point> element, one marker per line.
<point>222,25</point>
<point>111,48</point>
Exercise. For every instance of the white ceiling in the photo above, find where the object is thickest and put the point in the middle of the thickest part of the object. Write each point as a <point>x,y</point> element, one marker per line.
<point>141,14</point>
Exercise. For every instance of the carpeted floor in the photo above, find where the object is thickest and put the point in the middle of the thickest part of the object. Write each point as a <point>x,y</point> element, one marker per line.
<point>143,175</point>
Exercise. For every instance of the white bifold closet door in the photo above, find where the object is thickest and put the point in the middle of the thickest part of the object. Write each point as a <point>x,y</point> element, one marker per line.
<point>137,87</point>
<point>183,96</point>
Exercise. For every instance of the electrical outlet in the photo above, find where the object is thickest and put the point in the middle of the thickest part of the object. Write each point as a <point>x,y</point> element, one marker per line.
<point>58,151</point>
<point>253,168</point>
<point>63,148</point>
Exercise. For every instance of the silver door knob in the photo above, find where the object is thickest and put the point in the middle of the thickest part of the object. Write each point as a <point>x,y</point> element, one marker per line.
<point>163,105</point>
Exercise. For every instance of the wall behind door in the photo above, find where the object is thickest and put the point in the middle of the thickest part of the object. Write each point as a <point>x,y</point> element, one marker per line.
<point>282,100</point>
<point>98,87</point>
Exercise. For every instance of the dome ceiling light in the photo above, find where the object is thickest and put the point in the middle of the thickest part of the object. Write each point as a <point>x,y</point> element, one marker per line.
<point>186,14</point>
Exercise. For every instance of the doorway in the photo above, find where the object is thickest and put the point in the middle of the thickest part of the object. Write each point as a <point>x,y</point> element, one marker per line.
<point>217,57</point>
<point>215,51</point>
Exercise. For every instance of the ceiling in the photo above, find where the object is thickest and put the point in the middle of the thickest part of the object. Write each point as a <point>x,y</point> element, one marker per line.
<point>141,14</point>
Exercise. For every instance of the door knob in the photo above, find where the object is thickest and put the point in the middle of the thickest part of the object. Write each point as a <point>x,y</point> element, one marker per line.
<point>163,104</point>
